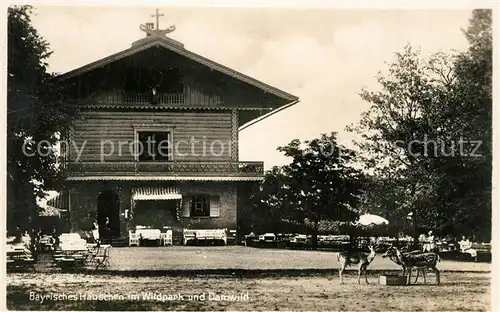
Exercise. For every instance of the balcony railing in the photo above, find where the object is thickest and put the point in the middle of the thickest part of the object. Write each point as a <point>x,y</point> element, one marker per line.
<point>253,168</point>
<point>137,98</point>
<point>154,99</point>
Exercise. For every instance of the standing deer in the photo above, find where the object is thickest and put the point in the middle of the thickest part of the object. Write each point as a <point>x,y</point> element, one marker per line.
<point>416,260</point>
<point>348,258</point>
<point>396,260</point>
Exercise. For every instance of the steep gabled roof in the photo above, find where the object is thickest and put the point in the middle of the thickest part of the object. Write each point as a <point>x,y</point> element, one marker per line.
<point>174,46</point>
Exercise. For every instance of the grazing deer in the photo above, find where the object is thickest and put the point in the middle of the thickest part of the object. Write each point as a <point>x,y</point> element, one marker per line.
<point>396,260</point>
<point>348,258</point>
<point>416,260</point>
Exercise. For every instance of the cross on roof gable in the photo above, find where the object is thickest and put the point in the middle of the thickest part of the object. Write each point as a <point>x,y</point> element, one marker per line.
<point>149,29</point>
<point>177,47</point>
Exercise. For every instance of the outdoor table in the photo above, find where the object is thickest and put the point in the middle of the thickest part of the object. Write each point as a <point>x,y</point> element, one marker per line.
<point>47,242</point>
<point>20,257</point>
<point>16,254</point>
<point>71,256</point>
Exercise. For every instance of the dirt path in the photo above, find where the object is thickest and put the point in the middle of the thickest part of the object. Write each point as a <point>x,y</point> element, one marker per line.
<point>458,291</point>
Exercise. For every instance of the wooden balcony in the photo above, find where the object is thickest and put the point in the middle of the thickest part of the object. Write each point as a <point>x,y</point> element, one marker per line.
<point>190,97</point>
<point>148,99</point>
<point>137,99</point>
<point>237,169</point>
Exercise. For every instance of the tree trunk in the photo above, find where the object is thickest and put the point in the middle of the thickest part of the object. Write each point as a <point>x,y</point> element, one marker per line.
<point>314,237</point>
<point>414,217</point>
<point>415,234</point>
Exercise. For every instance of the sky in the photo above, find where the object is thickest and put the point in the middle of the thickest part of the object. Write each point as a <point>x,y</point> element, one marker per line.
<point>322,56</point>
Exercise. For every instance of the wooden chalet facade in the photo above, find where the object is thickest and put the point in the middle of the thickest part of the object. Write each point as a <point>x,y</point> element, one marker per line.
<point>157,90</point>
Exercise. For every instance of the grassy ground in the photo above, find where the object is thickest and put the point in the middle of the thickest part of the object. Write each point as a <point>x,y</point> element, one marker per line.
<point>246,258</point>
<point>458,291</point>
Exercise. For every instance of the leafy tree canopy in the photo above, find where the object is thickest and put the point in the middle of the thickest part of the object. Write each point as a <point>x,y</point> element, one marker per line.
<point>35,114</point>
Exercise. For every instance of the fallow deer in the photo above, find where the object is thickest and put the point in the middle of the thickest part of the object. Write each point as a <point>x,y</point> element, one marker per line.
<point>396,260</point>
<point>361,259</point>
<point>426,260</point>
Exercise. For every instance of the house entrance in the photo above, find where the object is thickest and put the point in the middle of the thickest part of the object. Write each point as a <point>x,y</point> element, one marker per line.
<point>108,214</point>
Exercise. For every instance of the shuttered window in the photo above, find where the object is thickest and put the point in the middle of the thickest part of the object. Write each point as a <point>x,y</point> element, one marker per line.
<point>214,206</point>
<point>186,207</point>
<point>200,206</point>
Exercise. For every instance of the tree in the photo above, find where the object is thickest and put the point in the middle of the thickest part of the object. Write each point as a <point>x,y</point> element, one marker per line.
<point>466,179</point>
<point>420,129</point>
<point>270,202</point>
<point>319,184</point>
<point>35,114</point>
<point>385,196</point>
<point>393,130</point>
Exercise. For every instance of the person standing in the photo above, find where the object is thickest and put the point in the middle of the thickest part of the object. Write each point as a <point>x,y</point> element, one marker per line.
<point>19,236</point>
<point>95,231</point>
<point>55,236</point>
<point>431,242</point>
<point>107,227</point>
<point>424,242</point>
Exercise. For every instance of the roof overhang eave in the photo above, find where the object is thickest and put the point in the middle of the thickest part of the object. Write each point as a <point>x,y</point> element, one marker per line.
<point>181,51</point>
<point>252,122</point>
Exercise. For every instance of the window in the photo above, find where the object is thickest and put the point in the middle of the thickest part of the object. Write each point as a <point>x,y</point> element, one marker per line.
<point>200,206</point>
<point>154,145</point>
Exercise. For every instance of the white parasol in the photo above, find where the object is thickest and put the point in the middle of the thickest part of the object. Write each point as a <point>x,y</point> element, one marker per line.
<point>368,219</point>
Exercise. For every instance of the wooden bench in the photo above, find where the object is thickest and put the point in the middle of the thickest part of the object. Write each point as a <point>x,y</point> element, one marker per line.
<point>191,235</point>
<point>483,251</point>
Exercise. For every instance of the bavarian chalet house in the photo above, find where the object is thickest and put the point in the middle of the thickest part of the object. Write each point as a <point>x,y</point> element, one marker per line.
<point>157,142</point>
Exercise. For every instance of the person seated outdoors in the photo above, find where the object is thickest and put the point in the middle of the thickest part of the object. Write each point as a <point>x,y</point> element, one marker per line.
<point>466,247</point>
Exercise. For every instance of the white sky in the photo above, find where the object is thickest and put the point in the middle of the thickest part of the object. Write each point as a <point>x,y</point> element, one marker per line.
<point>322,56</point>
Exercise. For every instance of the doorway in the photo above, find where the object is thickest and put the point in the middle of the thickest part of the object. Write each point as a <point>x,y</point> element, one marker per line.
<point>108,214</point>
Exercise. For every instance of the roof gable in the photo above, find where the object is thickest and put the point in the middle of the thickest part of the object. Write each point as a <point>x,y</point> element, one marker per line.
<point>176,47</point>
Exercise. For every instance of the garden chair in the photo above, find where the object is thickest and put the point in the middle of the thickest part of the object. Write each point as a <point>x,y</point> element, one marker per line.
<point>133,239</point>
<point>166,238</point>
<point>101,259</point>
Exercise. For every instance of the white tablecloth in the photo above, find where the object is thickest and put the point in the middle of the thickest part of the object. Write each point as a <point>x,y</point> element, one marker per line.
<point>152,234</point>
<point>76,247</point>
